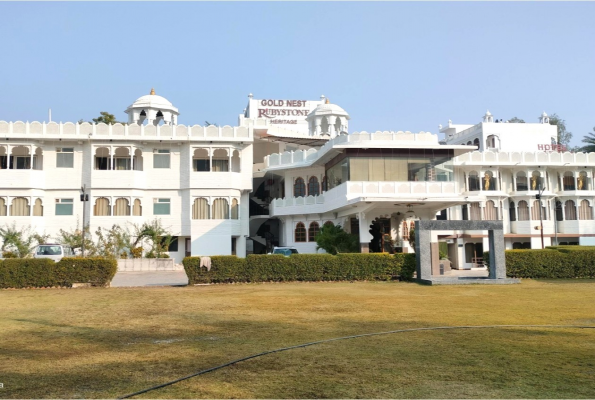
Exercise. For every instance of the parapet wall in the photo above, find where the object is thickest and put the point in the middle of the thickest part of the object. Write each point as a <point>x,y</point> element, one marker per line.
<point>86,130</point>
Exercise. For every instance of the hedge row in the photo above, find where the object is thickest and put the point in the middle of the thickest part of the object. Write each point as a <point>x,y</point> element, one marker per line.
<point>562,262</point>
<point>301,267</point>
<point>43,272</point>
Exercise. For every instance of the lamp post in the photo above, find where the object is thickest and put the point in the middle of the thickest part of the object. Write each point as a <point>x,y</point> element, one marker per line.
<point>538,197</point>
<point>84,199</point>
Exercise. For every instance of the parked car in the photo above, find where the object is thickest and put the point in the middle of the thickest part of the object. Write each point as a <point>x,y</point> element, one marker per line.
<point>53,251</point>
<point>286,251</point>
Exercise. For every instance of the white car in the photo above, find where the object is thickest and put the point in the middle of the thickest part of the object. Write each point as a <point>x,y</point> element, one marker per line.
<point>53,251</point>
<point>285,251</point>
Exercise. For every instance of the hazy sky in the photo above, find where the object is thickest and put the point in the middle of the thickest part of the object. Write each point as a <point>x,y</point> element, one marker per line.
<point>392,66</point>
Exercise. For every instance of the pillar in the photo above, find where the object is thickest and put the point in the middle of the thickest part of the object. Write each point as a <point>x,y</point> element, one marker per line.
<point>422,251</point>
<point>318,123</point>
<point>497,255</point>
<point>364,233</point>
<point>241,246</point>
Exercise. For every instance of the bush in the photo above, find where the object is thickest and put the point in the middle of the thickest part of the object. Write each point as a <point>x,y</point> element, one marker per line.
<point>43,272</point>
<point>553,262</point>
<point>301,267</point>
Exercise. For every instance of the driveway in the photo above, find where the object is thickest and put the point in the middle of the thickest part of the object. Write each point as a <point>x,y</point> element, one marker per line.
<point>149,278</point>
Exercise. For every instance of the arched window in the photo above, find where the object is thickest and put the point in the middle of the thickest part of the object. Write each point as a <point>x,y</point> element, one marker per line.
<point>220,209</point>
<point>491,142</point>
<point>200,209</point>
<point>137,208</point>
<point>570,210</point>
<point>201,161</point>
<point>38,208</point>
<point>535,211</point>
<point>512,211</point>
<point>122,159</point>
<point>324,184</point>
<point>121,207</point>
<point>21,158</point>
<point>523,211</point>
<point>102,207</point>
<point>568,181</point>
<point>220,161</point>
<point>313,231</point>
<point>235,209</point>
<point>235,161</point>
<point>2,207</point>
<point>300,232</point>
<point>102,159</point>
<point>559,213</point>
<point>411,228</point>
<point>313,187</point>
<point>491,213</point>
<point>581,182</point>
<point>473,181</point>
<point>469,143</point>
<point>299,188</point>
<point>521,182</point>
<point>405,230</point>
<point>137,160</point>
<point>536,180</point>
<point>20,207</point>
<point>585,211</point>
<point>488,181</point>
<point>38,159</point>
<point>476,143</point>
<point>475,211</point>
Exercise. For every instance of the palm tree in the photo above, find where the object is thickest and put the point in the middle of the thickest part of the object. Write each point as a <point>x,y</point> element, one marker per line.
<point>589,139</point>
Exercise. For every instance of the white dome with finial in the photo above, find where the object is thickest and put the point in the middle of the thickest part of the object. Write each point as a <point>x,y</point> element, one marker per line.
<point>152,108</point>
<point>328,119</point>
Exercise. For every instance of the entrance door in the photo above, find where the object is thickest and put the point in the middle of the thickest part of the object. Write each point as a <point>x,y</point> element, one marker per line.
<point>188,247</point>
<point>473,255</point>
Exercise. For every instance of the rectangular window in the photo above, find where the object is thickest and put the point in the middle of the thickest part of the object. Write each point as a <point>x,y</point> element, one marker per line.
<point>3,160</point>
<point>161,159</point>
<point>122,164</point>
<point>201,165</point>
<point>21,162</point>
<point>161,207</point>
<point>64,206</point>
<point>102,163</point>
<point>65,157</point>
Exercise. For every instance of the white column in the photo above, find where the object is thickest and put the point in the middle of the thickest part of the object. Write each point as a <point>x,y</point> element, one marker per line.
<point>331,125</point>
<point>318,122</point>
<point>131,159</point>
<point>31,157</point>
<point>111,154</point>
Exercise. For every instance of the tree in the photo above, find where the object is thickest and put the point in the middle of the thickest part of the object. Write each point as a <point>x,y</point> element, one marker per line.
<point>74,239</point>
<point>158,237</point>
<point>589,139</point>
<point>412,238</point>
<point>19,242</point>
<point>516,120</point>
<point>333,239</point>
<point>106,118</point>
<point>564,136</point>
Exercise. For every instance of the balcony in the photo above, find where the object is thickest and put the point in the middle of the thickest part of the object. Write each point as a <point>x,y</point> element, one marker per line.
<point>23,178</point>
<point>352,190</point>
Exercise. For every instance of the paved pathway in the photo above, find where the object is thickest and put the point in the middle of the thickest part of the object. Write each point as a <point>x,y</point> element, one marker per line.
<point>149,278</point>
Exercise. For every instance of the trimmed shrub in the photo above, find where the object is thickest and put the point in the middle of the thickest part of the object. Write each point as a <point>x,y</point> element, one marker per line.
<point>301,267</point>
<point>43,272</point>
<point>97,271</point>
<point>409,265</point>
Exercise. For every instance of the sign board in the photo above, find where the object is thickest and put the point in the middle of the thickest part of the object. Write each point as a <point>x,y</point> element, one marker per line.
<point>552,147</point>
<point>289,114</point>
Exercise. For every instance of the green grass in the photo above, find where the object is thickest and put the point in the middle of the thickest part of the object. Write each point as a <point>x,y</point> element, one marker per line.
<point>102,343</point>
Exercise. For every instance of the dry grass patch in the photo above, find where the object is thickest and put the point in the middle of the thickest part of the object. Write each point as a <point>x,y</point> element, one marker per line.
<point>103,343</point>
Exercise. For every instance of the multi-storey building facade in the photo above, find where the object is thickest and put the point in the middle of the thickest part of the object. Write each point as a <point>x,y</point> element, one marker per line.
<point>288,168</point>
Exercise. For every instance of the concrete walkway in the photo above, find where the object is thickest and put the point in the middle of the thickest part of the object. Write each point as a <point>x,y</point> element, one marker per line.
<point>149,278</point>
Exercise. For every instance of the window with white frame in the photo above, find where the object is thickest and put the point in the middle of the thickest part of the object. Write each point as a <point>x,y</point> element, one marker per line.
<point>161,158</point>
<point>161,207</point>
<point>64,206</point>
<point>65,157</point>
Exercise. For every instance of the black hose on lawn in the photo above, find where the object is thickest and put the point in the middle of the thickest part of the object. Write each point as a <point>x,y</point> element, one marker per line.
<point>343,338</point>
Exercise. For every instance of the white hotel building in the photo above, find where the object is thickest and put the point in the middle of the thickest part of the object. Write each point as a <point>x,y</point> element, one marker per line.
<point>289,167</point>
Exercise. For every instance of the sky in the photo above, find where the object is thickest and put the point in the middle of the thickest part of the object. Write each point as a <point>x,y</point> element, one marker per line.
<point>390,65</point>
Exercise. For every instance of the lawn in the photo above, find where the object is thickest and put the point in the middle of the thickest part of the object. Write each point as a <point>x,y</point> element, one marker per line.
<point>104,343</point>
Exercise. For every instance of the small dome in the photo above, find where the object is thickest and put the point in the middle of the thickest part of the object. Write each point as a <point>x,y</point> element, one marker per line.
<point>328,109</point>
<point>544,114</point>
<point>151,100</point>
<point>488,113</point>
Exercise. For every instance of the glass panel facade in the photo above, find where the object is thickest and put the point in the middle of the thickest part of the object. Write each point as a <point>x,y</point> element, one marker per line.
<point>390,165</point>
